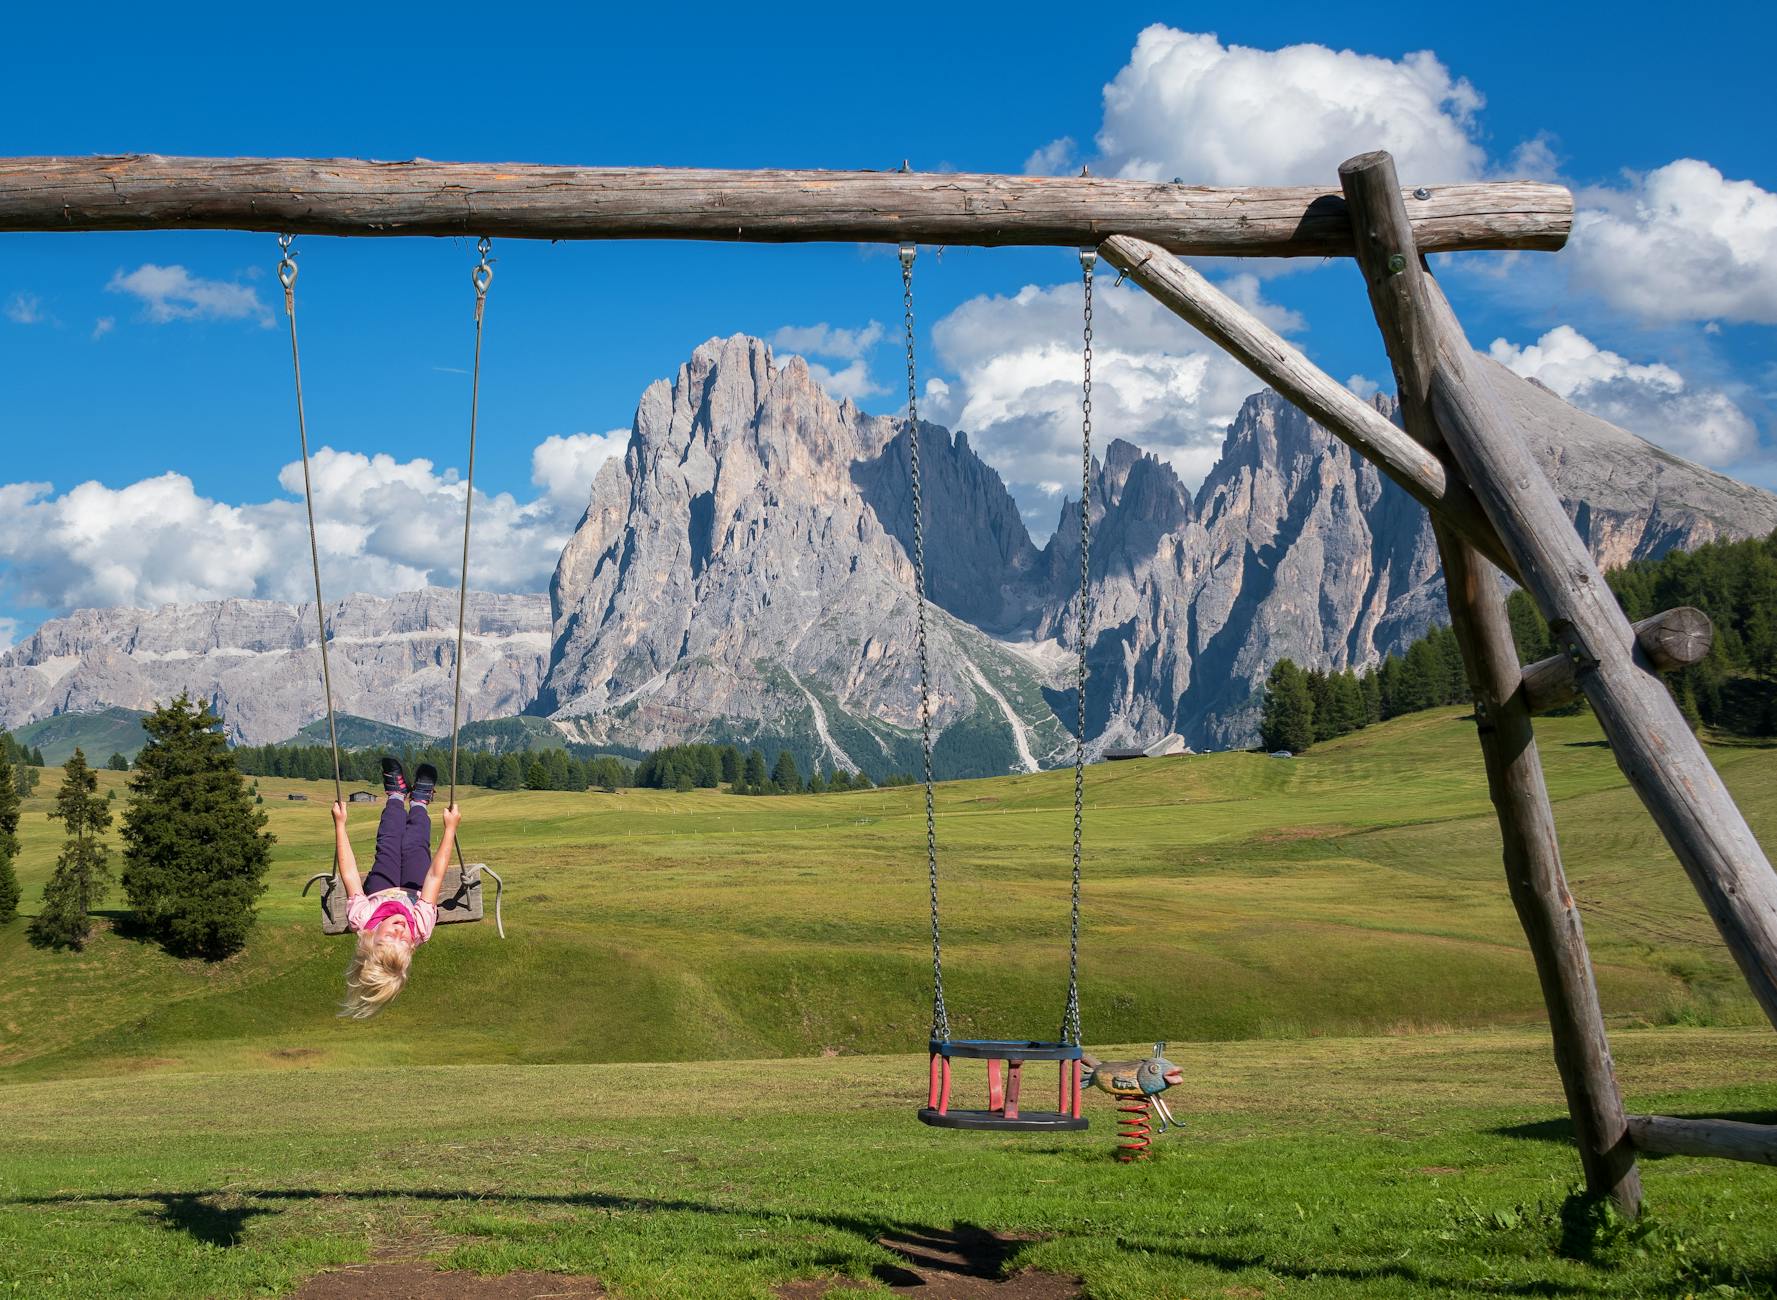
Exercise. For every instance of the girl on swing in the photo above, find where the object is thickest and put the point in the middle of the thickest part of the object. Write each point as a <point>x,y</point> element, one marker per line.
<point>396,907</point>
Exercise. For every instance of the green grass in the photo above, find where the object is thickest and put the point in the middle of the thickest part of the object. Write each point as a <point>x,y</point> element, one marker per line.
<point>1326,941</point>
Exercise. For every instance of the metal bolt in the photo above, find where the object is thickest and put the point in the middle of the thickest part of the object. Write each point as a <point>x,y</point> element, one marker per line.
<point>1396,263</point>
<point>1422,193</point>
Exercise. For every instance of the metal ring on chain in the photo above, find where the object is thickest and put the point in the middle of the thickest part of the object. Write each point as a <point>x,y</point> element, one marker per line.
<point>940,1015</point>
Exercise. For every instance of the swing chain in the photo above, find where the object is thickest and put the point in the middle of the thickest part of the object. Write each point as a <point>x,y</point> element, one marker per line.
<point>1070,1022</point>
<point>940,1016</point>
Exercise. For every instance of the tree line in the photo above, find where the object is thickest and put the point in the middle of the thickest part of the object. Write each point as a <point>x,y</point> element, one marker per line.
<point>544,769</point>
<point>1733,689</point>
<point>709,767</point>
<point>195,848</point>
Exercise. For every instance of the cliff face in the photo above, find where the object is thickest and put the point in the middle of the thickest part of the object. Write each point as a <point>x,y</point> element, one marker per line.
<point>744,573</point>
<point>257,663</point>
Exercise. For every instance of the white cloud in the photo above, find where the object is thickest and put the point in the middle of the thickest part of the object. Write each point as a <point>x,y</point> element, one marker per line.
<point>103,326</point>
<point>1244,288</point>
<point>853,381</point>
<point>1056,158</point>
<point>1016,388</point>
<point>382,525</point>
<point>1680,243</point>
<point>1186,105</point>
<point>24,309</point>
<point>1652,400</point>
<point>1363,386</point>
<point>170,293</point>
<point>565,467</point>
<point>9,630</point>
<point>824,340</point>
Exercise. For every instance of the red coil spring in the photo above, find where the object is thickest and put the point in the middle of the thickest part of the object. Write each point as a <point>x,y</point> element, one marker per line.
<point>1134,1137</point>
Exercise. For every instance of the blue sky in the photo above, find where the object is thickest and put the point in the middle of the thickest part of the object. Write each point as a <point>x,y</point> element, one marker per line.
<point>126,358</point>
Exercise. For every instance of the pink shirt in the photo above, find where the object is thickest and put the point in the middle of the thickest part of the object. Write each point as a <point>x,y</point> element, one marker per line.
<point>365,912</point>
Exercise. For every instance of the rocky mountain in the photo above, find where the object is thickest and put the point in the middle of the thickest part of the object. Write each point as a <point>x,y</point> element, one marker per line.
<point>257,663</point>
<point>744,573</point>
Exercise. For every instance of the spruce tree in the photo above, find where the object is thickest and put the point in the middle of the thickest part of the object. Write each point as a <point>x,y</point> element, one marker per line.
<point>1288,721</point>
<point>195,848</point>
<point>1326,709</point>
<point>117,763</point>
<point>9,843</point>
<point>83,871</point>
<point>753,779</point>
<point>785,778</point>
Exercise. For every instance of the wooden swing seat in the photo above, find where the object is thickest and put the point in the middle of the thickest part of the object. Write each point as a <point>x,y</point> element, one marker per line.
<point>459,900</point>
<point>1003,1114</point>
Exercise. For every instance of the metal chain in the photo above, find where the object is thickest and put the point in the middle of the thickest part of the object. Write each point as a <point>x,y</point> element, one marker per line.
<point>1070,1020</point>
<point>482,276</point>
<point>940,1016</point>
<point>287,278</point>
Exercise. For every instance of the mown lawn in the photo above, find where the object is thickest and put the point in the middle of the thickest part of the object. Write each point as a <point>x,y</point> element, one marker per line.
<point>1412,1166</point>
<point>684,1072</point>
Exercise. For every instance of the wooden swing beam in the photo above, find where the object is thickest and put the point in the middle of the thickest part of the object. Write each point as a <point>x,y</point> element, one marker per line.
<point>1493,509</point>
<point>343,196</point>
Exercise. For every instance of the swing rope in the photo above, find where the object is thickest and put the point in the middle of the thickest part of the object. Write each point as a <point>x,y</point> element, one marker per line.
<point>287,278</point>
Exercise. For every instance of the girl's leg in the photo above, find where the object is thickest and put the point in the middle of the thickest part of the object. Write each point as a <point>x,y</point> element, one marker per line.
<point>416,847</point>
<point>385,872</point>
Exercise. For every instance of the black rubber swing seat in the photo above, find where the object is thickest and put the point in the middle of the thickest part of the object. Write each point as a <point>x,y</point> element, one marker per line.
<point>1004,1115</point>
<point>459,901</point>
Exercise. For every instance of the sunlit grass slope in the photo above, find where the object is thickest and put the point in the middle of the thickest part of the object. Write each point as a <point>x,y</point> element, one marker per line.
<point>1354,890</point>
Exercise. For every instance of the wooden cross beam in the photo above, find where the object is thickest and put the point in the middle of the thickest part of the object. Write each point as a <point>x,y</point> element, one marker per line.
<point>344,196</point>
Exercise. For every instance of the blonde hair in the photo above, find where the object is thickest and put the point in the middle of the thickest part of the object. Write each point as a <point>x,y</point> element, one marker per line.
<point>377,973</point>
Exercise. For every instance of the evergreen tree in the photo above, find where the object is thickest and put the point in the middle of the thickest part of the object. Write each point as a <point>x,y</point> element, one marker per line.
<point>1421,684</point>
<point>1372,695</point>
<point>37,757</point>
<point>817,784</point>
<point>83,871</point>
<point>1288,721</point>
<point>9,842</point>
<point>683,783</point>
<point>117,763</point>
<point>730,764</point>
<point>195,846</point>
<point>1348,702</point>
<point>536,776</point>
<point>1326,711</point>
<point>753,779</point>
<point>785,778</point>
<point>511,773</point>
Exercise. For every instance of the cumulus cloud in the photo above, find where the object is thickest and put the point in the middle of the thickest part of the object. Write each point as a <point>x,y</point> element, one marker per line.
<point>1056,158</point>
<point>852,380</point>
<point>824,340</point>
<point>1652,400</point>
<point>565,467</point>
<point>1186,105</point>
<point>1681,242</point>
<point>382,525</point>
<point>24,309</point>
<point>171,293</point>
<point>1016,387</point>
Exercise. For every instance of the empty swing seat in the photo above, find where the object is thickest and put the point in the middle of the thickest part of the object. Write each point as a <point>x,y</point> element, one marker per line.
<point>458,901</point>
<point>1004,1113</point>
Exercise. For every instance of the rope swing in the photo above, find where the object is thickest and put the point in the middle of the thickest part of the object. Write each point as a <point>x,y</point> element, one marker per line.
<point>1002,1112</point>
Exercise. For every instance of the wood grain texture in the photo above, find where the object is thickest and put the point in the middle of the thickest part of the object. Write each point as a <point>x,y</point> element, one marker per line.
<point>344,196</point>
<point>1672,640</point>
<point>1280,364</point>
<point>1726,1138</point>
<point>1397,283</point>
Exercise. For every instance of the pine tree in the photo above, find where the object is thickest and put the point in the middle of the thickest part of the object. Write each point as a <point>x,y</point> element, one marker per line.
<point>195,848</point>
<point>117,763</point>
<point>1326,710</point>
<point>9,830</point>
<point>83,871</point>
<point>753,779</point>
<point>731,763</point>
<point>785,778</point>
<point>1288,721</point>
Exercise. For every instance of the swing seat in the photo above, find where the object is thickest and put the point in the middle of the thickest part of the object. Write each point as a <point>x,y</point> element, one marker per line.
<point>458,901</point>
<point>1003,1113</point>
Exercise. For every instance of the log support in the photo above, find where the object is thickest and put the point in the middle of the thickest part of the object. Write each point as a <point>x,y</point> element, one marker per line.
<point>1389,259</point>
<point>1726,1138</point>
<point>1676,639</point>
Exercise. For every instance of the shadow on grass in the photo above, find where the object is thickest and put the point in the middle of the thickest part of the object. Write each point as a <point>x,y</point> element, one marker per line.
<point>962,1251</point>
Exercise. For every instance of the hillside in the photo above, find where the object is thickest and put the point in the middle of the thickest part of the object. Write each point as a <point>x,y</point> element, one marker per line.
<point>99,735</point>
<point>1353,890</point>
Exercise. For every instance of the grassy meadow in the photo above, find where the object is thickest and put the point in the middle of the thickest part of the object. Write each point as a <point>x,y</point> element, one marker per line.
<point>685,1072</point>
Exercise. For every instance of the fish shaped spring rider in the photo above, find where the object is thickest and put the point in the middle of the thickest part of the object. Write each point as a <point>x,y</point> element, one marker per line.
<point>1136,1085</point>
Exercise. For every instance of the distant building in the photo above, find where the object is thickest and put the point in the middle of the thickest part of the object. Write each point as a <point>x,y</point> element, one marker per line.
<point>297,797</point>
<point>361,796</point>
<point>1165,747</point>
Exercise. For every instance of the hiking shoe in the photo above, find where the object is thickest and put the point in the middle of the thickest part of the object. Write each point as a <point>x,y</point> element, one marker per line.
<point>425,781</point>
<point>394,777</point>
